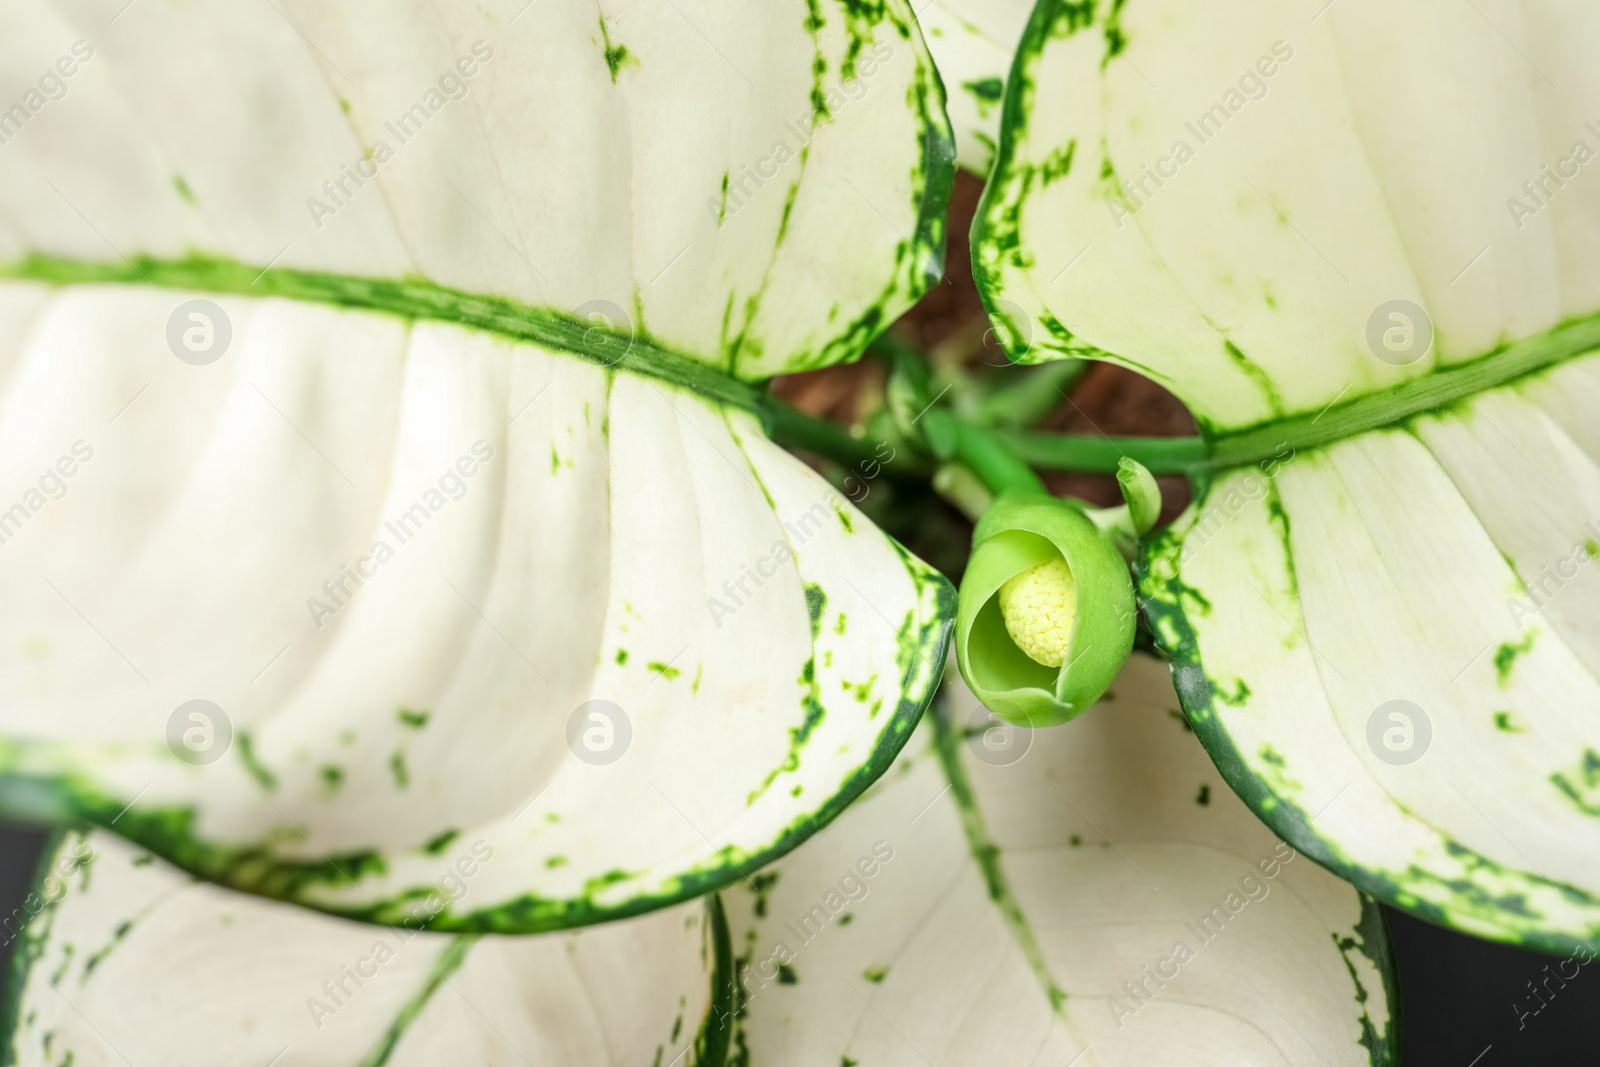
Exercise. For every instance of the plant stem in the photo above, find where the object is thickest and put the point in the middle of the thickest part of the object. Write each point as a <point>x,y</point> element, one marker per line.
<point>1031,395</point>
<point>1100,454</point>
<point>793,428</point>
<point>963,490</point>
<point>1001,458</point>
<point>989,457</point>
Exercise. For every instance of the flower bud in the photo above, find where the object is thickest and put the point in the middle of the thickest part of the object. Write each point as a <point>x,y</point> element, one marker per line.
<point>1046,611</point>
<point>1143,495</point>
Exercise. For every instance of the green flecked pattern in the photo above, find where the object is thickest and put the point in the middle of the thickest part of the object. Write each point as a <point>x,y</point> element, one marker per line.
<point>970,870</point>
<point>1369,939</point>
<point>1426,504</point>
<point>709,1048</point>
<point>1448,882</point>
<point>170,833</point>
<point>919,256</point>
<point>996,227</point>
<point>260,867</point>
<point>773,276</point>
<point>784,305</point>
<point>1459,904</point>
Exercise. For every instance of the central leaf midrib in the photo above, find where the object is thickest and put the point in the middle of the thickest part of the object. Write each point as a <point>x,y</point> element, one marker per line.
<point>444,965</point>
<point>1393,407</point>
<point>411,298</point>
<point>986,855</point>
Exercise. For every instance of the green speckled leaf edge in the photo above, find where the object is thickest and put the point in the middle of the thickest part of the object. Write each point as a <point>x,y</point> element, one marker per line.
<point>1162,601</point>
<point>973,49</point>
<point>30,788</point>
<point>1364,941</point>
<point>1371,939</point>
<point>168,833</point>
<point>994,232</point>
<point>995,222</point>
<point>922,254</point>
<point>917,269</point>
<point>710,1046</point>
<point>839,32</point>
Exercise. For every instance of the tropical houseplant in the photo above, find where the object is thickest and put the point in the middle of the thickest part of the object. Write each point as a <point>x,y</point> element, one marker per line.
<point>419,600</point>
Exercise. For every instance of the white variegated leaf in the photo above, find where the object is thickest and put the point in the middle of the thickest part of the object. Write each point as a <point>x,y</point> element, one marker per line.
<point>972,42</point>
<point>529,532</point>
<point>408,490</point>
<point>687,171</point>
<point>1088,894</point>
<point>1372,275</point>
<point>125,960</point>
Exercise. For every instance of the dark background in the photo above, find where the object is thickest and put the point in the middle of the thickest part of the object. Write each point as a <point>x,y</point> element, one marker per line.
<point>1457,994</point>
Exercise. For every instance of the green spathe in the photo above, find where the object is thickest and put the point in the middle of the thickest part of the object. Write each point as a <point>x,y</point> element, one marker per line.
<point>1020,531</point>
